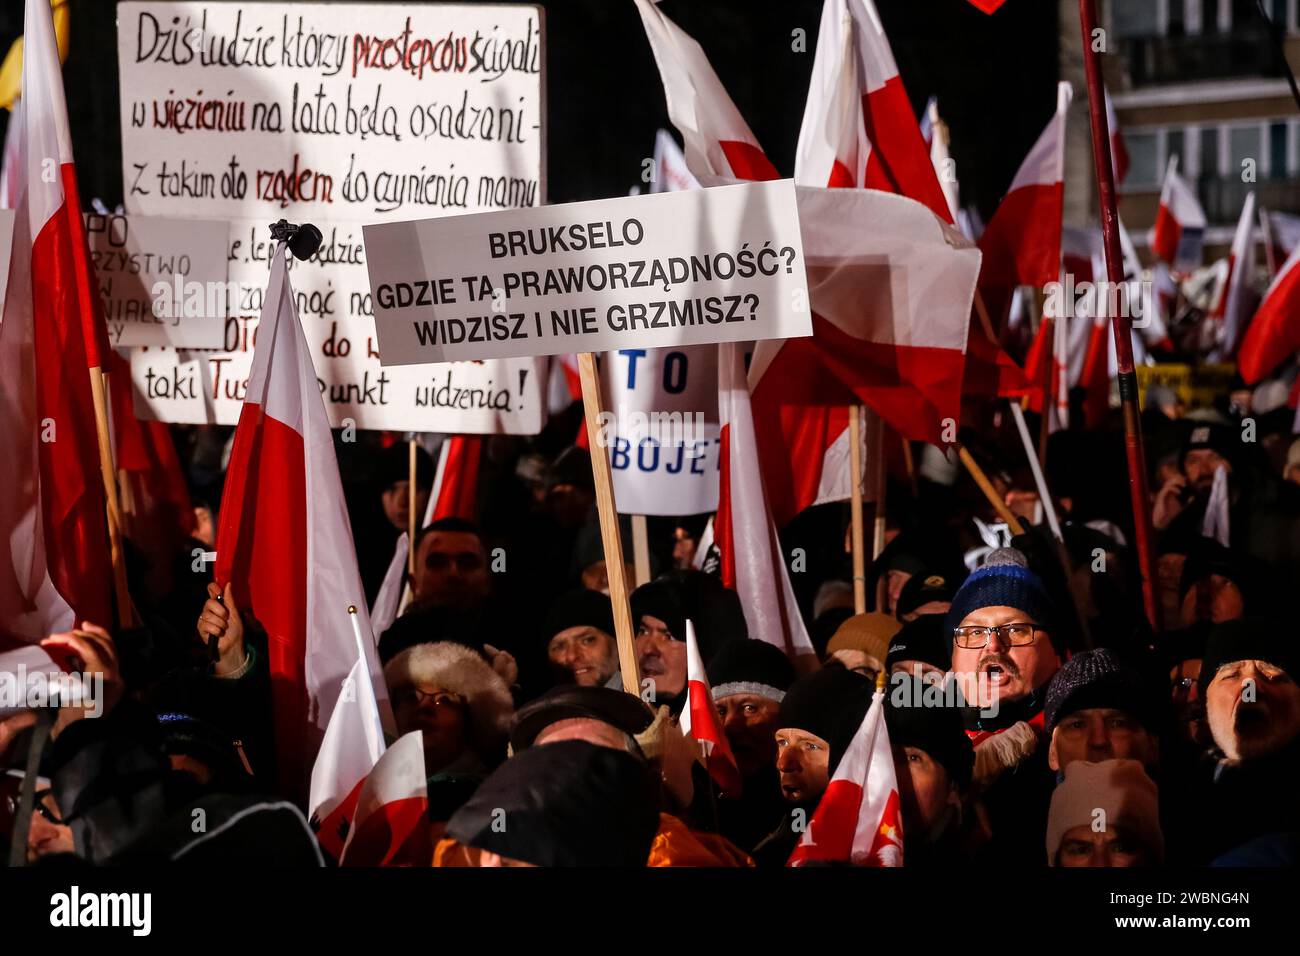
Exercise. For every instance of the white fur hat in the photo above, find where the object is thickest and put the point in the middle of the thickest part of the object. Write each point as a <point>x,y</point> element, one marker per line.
<point>460,670</point>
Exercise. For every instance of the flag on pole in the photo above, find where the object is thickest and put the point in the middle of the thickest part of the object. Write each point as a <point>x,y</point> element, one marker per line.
<point>1179,231</point>
<point>284,542</point>
<point>700,721</point>
<point>858,819</point>
<point>1274,333</point>
<point>748,546</point>
<point>54,511</point>
<point>858,126</point>
<point>455,482</point>
<point>721,147</point>
<point>1119,160</point>
<point>389,826</point>
<point>388,599</point>
<point>935,133</point>
<point>1238,293</point>
<point>1022,242</point>
<point>353,743</point>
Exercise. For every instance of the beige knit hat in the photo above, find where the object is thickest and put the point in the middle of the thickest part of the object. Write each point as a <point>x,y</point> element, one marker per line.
<point>869,633</point>
<point>1119,788</point>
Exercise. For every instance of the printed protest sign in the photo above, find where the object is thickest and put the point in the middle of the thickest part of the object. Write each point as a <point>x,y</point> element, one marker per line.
<point>252,113</point>
<point>163,281</point>
<point>660,420</point>
<point>667,269</point>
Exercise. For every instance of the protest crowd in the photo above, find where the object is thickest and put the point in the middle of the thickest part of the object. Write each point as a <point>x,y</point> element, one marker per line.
<point>996,662</point>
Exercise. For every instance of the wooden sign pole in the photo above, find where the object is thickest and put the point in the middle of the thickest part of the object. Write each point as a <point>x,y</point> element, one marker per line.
<point>616,567</point>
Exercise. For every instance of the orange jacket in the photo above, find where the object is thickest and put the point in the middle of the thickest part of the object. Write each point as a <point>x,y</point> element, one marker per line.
<point>675,844</point>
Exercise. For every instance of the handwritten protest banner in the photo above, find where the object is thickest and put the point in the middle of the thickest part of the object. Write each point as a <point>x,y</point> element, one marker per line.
<point>661,416</point>
<point>669,269</point>
<point>330,113</point>
<point>163,281</point>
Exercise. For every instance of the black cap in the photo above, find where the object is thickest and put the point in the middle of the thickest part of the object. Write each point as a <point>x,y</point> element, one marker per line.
<point>1213,436</point>
<point>580,608</point>
<point>660,599</point>
<point>625,711</point>
<point>1097,678</point>
<point>565,804</point>
<point>925,639</point>
<point>939,731</point>
<point>922,589</point>
<point>750,667</point>
<point>830,703</point>
<point>1248,639</point>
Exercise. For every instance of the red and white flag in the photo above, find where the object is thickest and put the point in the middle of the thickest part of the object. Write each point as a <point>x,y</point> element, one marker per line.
<point>1180,222</point>
<point>858,126</point>
<point>1274,333</point>
<point>284,542</point>
<point>54,557</point>
<point>748,547</point>
<point>455,482</point>
<point>858,819</point>
<point>389,826</point>
<point>988,6</point>
<point>700,721</point>
<point>721,148</point>
<point>718,142</point>
<point>1238,294</point>
<point>935,133</point>
<point>353,743</point>
<point>1022,242</point>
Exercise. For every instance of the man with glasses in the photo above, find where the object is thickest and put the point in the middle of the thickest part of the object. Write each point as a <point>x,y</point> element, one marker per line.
<point>1003,659</point>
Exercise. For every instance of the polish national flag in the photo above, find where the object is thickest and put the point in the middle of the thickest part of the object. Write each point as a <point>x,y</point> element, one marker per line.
<point>1274,333</point>
<point>891,287</point>
<point>858,126</point>
<point>353,743</point>
<point>389,826</point>
<point>1180,222</point>
<point>1022,242</point>
<point>54,559</point>
<point>455,482</point>
<point>700,721</point>
<point>284,542</point>
<point>720,147</point>
<point>748,546</point>
<point>1236,299</point>
<point>935,133</point>
<point>858,819</point>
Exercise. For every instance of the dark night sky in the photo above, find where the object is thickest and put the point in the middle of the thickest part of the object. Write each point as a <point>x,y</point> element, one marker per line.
<point>994,78</point>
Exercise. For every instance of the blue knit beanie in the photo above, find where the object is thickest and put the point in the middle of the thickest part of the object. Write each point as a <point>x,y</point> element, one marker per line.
<point>1004,580</point>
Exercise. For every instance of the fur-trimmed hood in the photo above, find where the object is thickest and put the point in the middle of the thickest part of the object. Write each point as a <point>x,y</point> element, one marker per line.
<point>461,670</point>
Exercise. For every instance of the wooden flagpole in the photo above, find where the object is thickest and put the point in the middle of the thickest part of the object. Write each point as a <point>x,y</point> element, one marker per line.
<point>1121,323</point>
<point>855,482</point>
<point>412,519</point>
<point>606,508</point>
<point>112,506</point>
<point>986,486</point>
<point>640,550</point>
<point>880,476</point>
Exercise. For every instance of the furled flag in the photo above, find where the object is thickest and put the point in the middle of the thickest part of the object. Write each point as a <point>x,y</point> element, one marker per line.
<point>1047,366</point>
<point>389,597</point>
<point>1180,222</point>
<point>1119,160</point>
<point>700,721</point>
<point>1022,242</point>
<point>284,542</point>
<point>353,743</point>
<point>858,126</point>
<point>748,546</point>
<point>1273,335</point>
<point>935,133</point>
<point>1237,297</point>
<point>52,508</point>
<point>721,148</point>
<point>389,826</point>
<point>858,819</point>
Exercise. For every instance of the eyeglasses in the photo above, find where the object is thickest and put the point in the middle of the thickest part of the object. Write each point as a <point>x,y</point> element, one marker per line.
<point>1016,634</point>
<point>38,804</point>
<point>439,698</point>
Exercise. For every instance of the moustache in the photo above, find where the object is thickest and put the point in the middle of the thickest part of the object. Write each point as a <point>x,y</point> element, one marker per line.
<point>1001,660</point>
